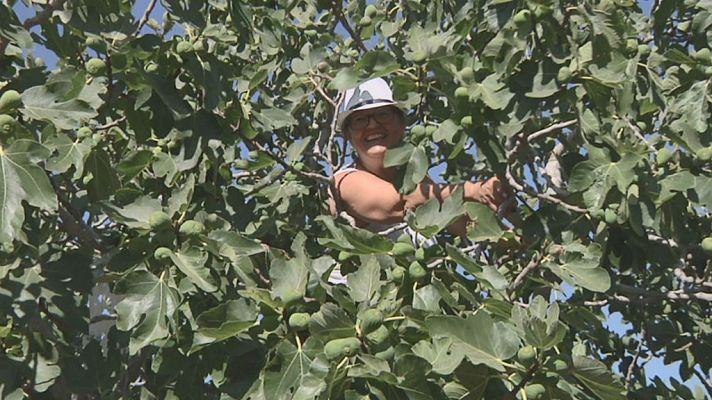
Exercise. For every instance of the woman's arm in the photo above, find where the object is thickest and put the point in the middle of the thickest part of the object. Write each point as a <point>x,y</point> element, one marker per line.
<point>371,199</point>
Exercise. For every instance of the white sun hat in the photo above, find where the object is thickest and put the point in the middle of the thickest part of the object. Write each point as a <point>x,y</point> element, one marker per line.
<point>370,94</point>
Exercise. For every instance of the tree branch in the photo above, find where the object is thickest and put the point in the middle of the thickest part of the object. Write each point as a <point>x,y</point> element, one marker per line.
<point>523,139</point>
<point>533,264</point>
<point>707,382</point>
<point>283,163</point>
<point>342,18</point>
<point>518,186</point>
<point>111,124</point>
<point>631,367</point>
<point>40,18</point>
<point>144,17</point>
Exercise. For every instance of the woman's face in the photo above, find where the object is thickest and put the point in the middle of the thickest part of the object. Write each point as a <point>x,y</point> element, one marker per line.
<point>373,131</point>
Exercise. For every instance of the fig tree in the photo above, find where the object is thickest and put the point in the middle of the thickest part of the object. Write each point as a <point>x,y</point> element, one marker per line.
<point>292,297</point>
<point>403,249</point>
<point>378,336</point>
<point>386,354</point>
<point>703,55</point>
<point>338,348</point>
<point>535,391</point>
<point>420,56</point>
<point>564,74</point>
<point>522,17</point>
<point>704,154</point>
<point>191,228</point>
<point>7,125</point>
<point>162,253</point>
<point>610,216</point>
<point>83,132</point>
<point>663,156</point>
<point>371,319</point>
<point>417,131</point>
<point>416,271</point>
<point>159,220</point>
<point>343,256</point>
<point>526,355</point>
<point>365,21</point>
<point>10,100</point>
<point>95,66</point>
<point>462,92</point>
<point>706,245</point>
<point>184,47</point>
<point>119,60</point>
<point>398,273</point>
<point>299,321</point>
<point>151,67</point>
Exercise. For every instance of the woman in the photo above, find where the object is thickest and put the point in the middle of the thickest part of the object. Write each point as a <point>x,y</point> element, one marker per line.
<point>373,122</point>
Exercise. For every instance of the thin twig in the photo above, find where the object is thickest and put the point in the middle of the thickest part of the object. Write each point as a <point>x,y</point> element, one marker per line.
<point>283,163</point>
<point>111,124</point>
<point>640,136</point>
<point>680,274</point>
<point>342,18</point>
<point>40,18</point>
<point>707,382</point>
<point>320,90</point>
<point>543,132</point>
<point>533,264</point>
<point>393,229</point>
<point>144,17</point>
<point>513,182</point>
<point>523,139</point>
<point>631,367</point>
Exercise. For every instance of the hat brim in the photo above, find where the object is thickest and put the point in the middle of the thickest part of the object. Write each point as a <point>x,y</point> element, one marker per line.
<point>344,115</point>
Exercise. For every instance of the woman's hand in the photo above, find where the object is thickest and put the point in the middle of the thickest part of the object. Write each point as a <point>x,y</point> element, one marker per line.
<point>491,193</point>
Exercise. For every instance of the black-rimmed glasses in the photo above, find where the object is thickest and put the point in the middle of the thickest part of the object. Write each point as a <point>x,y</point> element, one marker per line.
<point>381,116</point>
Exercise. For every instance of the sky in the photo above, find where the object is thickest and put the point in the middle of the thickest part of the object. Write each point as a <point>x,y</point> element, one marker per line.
<point>615,322</point>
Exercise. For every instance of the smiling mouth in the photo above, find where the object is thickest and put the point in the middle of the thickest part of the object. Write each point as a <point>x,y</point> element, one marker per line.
<point>375,137</point>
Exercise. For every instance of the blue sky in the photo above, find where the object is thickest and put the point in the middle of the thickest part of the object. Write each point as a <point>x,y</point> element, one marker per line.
<point>615,321</point>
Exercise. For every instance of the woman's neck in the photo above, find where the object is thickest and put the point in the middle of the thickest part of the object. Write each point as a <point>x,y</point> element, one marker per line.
<point>383,173</point>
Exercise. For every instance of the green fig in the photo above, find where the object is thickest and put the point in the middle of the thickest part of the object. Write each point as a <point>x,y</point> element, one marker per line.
<point>403,249</point>
<point>466,121</point>
<point>371,319</point>
<point>564,75</point>
<point>416,271</point>
<point>10,100</point>
<point>184,47</point>
<point>467,73</point>
<point>704,154</point>
<point>299,321</point>
<point>95,66</point>
<point>370,10</point>
<point>158,220</point>
<point>663,156</point>
<point>706,245</point>
<point>191,228</point>
<point>162,253</point>
<point>526,355</point>
<point>522,17</point>
<point>535,391</point>
<point>462,92</point>
<point>338,348</point>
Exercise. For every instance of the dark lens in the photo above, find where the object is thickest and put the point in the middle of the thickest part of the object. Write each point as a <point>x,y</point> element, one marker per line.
<point>383,116</point>
<point>359,122</point>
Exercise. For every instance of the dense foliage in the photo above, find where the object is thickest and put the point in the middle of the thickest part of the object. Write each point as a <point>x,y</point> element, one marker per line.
<point>164,229</point>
